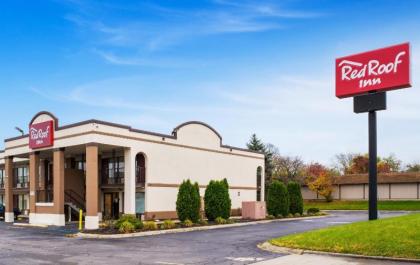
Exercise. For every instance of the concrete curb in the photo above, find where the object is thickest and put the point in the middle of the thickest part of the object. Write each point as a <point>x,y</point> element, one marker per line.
<point>267,246</point>
<point>189,229</point>
<point>385,211</point>
<point>29,225</point>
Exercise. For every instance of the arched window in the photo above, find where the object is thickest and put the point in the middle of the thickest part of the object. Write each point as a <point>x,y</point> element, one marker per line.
<point>259,175</point>
<point>140,170</point>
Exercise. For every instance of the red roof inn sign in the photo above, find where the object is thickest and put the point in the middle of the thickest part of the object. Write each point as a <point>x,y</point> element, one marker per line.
<point>41,134</point>
<point>366,77</point>
<point>378,70</point>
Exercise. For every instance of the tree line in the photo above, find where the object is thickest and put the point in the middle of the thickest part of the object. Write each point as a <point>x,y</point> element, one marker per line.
<point>316,176</point>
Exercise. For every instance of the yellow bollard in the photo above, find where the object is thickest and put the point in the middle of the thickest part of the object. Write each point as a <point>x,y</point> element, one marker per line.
<point>80,219</point>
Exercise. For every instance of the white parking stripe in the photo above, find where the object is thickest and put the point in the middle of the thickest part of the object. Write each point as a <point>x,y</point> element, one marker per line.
<point>168,263</point>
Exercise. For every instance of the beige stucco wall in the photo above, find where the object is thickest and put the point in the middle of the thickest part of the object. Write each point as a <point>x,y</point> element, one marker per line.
<point>349,192</point>
<point>383,191</point>
<point>307,194</point>
<point>403,191</point>
<point>399,191</point>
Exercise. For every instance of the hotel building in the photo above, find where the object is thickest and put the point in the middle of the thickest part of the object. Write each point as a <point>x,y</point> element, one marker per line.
<point>108,169</point>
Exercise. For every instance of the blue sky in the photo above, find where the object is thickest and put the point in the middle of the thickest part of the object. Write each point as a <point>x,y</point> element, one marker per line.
<point>244,67</point>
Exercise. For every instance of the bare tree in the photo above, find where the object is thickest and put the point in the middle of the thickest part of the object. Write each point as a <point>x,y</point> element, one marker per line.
<point>343,161</point>
<point>288,168</point>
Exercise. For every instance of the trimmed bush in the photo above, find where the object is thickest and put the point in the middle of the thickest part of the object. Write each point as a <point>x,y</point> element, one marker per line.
<point>295,198</point>
<point>150,225</point>
<point>203,222</point>
<point>131,218</point>
<point>187,223</point>
<point>312,211</point>
<point>217,202</point>
<point>188,201</point>
<point>277,199</point>
<point>220,220</point>
<point>168,224</point>
<point>126,227</point>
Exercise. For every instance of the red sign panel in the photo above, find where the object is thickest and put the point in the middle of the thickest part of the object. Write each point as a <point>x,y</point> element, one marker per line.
<point>378,70</point>
<point>41,135</point>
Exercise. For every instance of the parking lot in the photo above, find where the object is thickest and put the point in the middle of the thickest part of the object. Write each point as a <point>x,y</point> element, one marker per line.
<point>24,245</point>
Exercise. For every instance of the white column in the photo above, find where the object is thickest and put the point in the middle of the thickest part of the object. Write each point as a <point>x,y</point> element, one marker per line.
<point>129,181</point>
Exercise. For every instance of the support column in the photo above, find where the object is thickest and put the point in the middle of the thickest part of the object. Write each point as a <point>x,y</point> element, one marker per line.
<point>100,194</point>
<point>58,199</point>
<point>92,186</point>
<point>33,181</point>
<point>129,181</point>
<point>8,190</point>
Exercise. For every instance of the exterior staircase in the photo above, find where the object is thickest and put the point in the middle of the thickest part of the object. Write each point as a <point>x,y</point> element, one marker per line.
<point>73,203</point>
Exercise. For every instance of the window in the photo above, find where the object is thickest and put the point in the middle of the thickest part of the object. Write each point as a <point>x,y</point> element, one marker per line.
<point>139,202</point>
<point>21,176</point>
<point>1,178</point>
<point>259,173</point>
<point>140,170</point>
<point>113,170</point>
<point>21,201</point>
<point>81,165</point>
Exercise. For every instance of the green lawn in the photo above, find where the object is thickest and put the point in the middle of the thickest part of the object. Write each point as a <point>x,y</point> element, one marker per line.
<point>363,205</point>
<point>390,237</point>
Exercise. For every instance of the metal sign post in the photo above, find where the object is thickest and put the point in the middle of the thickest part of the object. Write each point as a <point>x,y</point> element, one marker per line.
<point>371,103</point>
<point>373,182</point>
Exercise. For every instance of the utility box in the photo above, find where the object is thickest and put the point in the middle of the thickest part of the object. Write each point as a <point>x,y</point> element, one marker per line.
<point>253,210</point>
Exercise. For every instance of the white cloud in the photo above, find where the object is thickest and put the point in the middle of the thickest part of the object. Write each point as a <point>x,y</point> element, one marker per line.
<point>176,26</point>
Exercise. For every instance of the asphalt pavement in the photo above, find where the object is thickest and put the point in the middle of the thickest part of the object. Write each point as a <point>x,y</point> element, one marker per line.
<point>238,245</point>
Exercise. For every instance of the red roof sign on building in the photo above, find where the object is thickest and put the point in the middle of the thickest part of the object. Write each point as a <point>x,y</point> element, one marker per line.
<point>41,134</point>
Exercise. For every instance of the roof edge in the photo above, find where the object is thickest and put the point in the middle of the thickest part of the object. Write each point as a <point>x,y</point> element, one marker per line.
<point>175,130</point>
<point>173,136</point>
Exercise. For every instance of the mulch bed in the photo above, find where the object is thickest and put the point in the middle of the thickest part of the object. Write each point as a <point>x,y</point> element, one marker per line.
<point>110,230</point>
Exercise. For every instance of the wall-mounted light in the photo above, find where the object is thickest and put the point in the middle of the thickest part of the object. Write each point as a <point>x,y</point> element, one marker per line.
<point>20,130</point>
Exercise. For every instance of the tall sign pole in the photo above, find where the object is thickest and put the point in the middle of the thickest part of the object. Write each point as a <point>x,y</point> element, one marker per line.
<point>366,77</point>
<point>373,186</point>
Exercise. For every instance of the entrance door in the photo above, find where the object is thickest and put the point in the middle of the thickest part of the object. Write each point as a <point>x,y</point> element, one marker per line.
<point>111,205</point>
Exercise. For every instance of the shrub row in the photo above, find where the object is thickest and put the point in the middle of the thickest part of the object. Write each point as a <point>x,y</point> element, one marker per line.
<point>283,200</point>
<point>188,201</point>
<point>217,202</point>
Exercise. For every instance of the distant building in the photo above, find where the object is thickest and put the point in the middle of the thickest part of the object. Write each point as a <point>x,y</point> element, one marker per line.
<point>391,186</point>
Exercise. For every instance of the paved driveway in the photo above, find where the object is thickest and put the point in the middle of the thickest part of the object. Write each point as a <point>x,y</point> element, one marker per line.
<point>221,246</point>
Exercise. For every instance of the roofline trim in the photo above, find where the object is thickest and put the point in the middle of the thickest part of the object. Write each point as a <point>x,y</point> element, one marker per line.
<point>55,119</point>
<point>175,130</point>
<point>129,128</point>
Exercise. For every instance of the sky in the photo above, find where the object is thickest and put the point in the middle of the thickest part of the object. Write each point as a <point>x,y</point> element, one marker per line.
<point>244,67</point>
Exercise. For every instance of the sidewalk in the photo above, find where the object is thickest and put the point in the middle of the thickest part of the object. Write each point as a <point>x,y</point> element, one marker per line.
<point>311,259</point>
